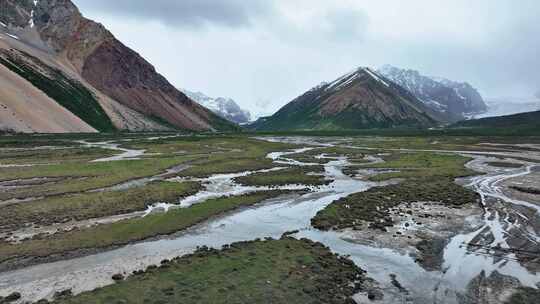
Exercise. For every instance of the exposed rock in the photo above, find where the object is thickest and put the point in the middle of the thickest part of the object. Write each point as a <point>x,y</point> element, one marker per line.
<point>492,289</point>
<point>63,294</point>
<point>106,64</point>
<point>524,295</point>
<point>375,294</point>
<point>530,190</point>
<point>15,13</point>
<point>11,298</point>
<point>431,253</point>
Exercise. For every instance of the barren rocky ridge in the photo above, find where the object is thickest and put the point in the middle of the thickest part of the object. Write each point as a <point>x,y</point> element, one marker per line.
<point>56,30</point>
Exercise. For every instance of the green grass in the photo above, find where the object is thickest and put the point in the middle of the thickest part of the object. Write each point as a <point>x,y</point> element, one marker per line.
<point>96,174</point>
<point>235,155</point>
<point>272,271</point>
<point>420,142</point>
<point>67,92</point>
<point>427,177</point>
<point>88,205</point>
<point>126,231</point>
<point>223,164</point>
<point>294,175</point>
<point>373,206</point>
<point>516,131</point>
<point>66,197</point>
<point>48,156</point>
<point>423,165</point>
<point>353,155</point>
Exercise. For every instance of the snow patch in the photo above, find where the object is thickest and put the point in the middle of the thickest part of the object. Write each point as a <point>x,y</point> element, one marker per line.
<point>351,76</point>
<point>347,81</point>
<point>225,107</point>
<point>459,94</point>
<point>377,77</point>
<point>340,79</point>
<point>12,36</point>
<point>433,103</point>
<point>31,22</point>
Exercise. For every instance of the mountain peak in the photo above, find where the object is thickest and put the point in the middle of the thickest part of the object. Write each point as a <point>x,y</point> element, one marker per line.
<point>360,73</point>
<point>222,106</point>
<point>359,99</point>
<point>453,100</point>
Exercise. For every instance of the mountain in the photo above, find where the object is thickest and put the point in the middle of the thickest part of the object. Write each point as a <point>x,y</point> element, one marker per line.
<point>66,73</point>
<point>224,107</point>
<point>528,123</point>
<point>361,99</point>
<point>453,100</point>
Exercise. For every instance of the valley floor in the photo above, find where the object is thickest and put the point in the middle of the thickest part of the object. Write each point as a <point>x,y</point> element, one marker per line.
<point>171,218</point>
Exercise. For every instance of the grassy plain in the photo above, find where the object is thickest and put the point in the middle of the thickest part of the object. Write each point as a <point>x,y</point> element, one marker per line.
<point>272,271</point>
<point>131,230</point>
<point>424,177</point>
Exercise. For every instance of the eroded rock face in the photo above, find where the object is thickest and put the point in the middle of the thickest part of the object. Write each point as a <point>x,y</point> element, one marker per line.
<point>107,64</point>
<point>15,13</point>
<point>113,68</point>
<point>125,76</point>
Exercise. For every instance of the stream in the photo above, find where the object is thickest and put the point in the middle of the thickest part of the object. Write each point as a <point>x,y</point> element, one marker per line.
<point>126,154</point>
<point>273,217</point>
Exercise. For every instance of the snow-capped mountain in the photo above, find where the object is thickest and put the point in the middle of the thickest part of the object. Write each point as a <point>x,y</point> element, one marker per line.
<point>361,99</point>
<point>456,100</point>
<point>224,107</point>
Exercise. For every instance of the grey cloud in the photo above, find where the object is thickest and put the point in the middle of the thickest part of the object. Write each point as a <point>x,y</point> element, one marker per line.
<point>338,24</point>
<point>275,57</point>
<point>347,24</point>
<point>184,13</point>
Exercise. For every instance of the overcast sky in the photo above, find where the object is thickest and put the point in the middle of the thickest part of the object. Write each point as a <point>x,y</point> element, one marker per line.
<point>263,53</point>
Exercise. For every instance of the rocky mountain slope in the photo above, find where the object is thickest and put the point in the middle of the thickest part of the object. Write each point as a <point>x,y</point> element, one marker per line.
<point>81,66</point>
<point>453,100</point>
<point>224,107</point>
<point>358,100</point>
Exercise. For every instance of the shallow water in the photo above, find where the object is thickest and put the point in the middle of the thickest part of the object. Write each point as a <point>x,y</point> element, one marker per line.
<point>127,154</point>
<point>270,219</point>
<point>496,229</point>
<point>293,212</point>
